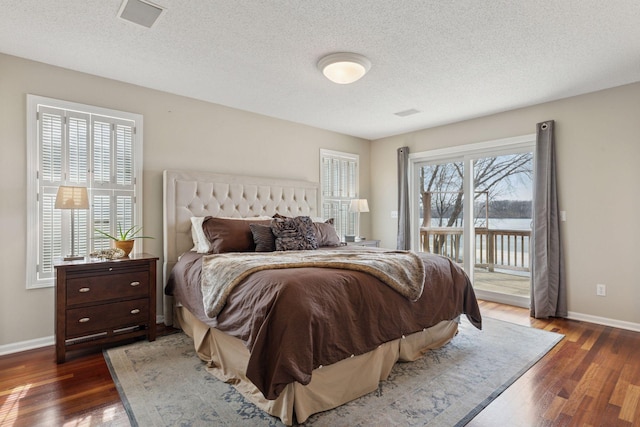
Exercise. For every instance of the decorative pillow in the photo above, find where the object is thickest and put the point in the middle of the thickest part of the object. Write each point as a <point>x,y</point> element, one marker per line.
<point>263,237</point>
<point>294,234</point>
<point>200,242</point>
<point>326,234</point>
<point>230,235</point>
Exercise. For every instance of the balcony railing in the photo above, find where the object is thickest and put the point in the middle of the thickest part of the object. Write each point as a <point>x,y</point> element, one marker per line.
<point>502,249</point>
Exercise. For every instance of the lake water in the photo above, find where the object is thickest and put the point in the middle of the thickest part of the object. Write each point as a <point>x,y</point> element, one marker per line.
<point>499,223</point>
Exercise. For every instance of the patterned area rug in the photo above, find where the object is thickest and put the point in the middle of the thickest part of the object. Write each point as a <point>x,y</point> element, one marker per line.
<point>163,383</point>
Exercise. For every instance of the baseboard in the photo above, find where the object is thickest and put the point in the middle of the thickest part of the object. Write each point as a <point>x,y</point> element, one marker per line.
<point>17,347</point>
<point>621,324</point>
<point>524,302</point>
<point>26,345</point>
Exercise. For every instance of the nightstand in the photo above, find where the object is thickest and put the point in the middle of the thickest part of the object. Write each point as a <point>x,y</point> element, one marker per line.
<point>370,243</point>
<point>101,302</point>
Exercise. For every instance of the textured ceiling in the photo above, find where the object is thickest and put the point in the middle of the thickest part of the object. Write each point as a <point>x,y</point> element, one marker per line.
<point>450,60</point>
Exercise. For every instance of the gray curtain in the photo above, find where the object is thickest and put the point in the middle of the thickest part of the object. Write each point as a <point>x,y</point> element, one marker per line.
<point>548,287</point>
<point>404,225</point>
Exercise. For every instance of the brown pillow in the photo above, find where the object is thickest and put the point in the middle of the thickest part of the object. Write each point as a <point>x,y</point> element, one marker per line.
<point>326,234</point>
<point>294,234</point>
<point>263,237</point>
<point>230,235</point>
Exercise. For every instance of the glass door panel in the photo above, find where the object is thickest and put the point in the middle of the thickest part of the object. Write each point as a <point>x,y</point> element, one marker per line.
<point>441,208</point>
<point>503,199</point>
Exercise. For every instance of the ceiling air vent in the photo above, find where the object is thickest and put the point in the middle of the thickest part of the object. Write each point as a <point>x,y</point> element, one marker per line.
<point>140,12</point>
<point>406,113</point>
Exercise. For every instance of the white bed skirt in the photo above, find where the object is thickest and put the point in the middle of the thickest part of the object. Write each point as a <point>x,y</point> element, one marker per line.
<point>330,386</point>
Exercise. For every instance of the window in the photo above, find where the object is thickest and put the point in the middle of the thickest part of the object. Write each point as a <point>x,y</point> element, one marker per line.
<point>78,145</point>
<point>339,183</point>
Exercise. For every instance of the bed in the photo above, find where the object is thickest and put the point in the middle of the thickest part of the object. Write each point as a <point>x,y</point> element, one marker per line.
<point>311,331</point>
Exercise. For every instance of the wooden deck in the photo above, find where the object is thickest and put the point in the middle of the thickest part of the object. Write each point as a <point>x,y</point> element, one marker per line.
<point>501,282</point>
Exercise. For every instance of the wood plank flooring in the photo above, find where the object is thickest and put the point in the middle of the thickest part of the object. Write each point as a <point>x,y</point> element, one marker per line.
<point>591,378</point>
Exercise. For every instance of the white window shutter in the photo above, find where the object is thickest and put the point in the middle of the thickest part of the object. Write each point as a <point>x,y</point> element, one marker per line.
<point>78,151</point>
<point>124,155</point>
<point>78,145</point>
<point>114,176</point>
<point>124,210</point>
<point>339,183</point>
<point>51,131</point>
<point>101,218</point>
<point>50,226</point>
<point>101,152</point>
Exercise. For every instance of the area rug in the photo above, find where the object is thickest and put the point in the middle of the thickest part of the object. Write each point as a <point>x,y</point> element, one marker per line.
<point>163,383</point>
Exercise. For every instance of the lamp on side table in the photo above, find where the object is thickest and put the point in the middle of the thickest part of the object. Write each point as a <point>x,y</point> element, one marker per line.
<point>358,206</point>
<point>72,198</point>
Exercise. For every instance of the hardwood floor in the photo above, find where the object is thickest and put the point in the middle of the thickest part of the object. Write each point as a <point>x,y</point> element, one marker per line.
<point>591,378</point>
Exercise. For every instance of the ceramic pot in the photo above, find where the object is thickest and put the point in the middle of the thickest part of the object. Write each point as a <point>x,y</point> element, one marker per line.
<point>125,245</point>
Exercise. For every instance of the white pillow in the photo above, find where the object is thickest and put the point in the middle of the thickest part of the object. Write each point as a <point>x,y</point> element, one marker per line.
<point>200,242</point>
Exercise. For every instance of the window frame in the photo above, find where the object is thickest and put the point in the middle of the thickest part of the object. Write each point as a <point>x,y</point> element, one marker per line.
<point>34,102</point>
<point>352,226</point>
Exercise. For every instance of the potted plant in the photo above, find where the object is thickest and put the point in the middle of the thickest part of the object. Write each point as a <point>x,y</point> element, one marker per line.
<point>124,238</point>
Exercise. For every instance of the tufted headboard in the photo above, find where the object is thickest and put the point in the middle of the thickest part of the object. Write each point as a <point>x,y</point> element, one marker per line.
<point>191,193</point>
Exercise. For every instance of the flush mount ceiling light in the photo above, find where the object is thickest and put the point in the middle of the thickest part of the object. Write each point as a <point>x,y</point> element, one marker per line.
<point>344,67</point>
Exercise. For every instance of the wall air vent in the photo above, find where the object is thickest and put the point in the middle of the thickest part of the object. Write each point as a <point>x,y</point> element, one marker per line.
<point>406,113</point>
<point>140,12</point>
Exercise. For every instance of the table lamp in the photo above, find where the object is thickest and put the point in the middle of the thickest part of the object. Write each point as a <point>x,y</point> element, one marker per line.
<point>72,198</point>
<point>358,206</point>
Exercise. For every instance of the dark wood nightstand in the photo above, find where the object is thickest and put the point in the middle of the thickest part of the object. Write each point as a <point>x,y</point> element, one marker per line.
<point>370,243</point>
<point>101,302</point>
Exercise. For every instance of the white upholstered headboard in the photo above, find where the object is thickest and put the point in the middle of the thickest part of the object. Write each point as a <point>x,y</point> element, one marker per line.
<point>191,193</point>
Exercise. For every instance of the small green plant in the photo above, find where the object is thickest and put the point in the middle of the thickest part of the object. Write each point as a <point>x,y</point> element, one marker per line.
<point>122,235</point>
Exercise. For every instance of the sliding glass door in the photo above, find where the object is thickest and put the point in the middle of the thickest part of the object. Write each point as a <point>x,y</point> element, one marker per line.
<point>474,207</point>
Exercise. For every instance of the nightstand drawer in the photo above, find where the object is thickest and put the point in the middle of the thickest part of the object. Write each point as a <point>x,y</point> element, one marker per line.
<point>106,317</point>
<point>110,286</point>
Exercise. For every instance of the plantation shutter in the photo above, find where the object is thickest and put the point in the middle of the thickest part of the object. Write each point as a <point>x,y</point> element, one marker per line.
<point>64,137</point>
<point>78,174</point>
<point>101,217</point>
<point>339,183</point>
<point>113,177</point>
<point>77,145</point>
<point>101,152</point>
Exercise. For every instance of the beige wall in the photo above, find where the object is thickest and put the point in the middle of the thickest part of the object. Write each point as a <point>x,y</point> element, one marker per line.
<point>179,133</point>
<point>598,155</point>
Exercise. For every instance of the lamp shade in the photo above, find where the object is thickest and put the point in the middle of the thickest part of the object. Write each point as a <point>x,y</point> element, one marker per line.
<point>344,67</point>
<point>72,198</point>
<point>359,205</point>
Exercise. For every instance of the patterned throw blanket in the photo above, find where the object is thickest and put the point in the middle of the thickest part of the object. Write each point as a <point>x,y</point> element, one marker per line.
<point>403,271</point>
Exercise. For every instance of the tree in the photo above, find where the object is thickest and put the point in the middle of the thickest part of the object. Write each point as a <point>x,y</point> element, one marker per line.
<point>442,186</point>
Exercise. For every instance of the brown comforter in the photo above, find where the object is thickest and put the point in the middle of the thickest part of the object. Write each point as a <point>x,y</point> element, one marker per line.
<point>294,320</point>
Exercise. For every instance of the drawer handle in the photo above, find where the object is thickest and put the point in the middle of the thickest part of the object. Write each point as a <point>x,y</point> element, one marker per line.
<point>84,320</point>
<point>84,289</point>
<point>135,283</point>
<point>135,311</point>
